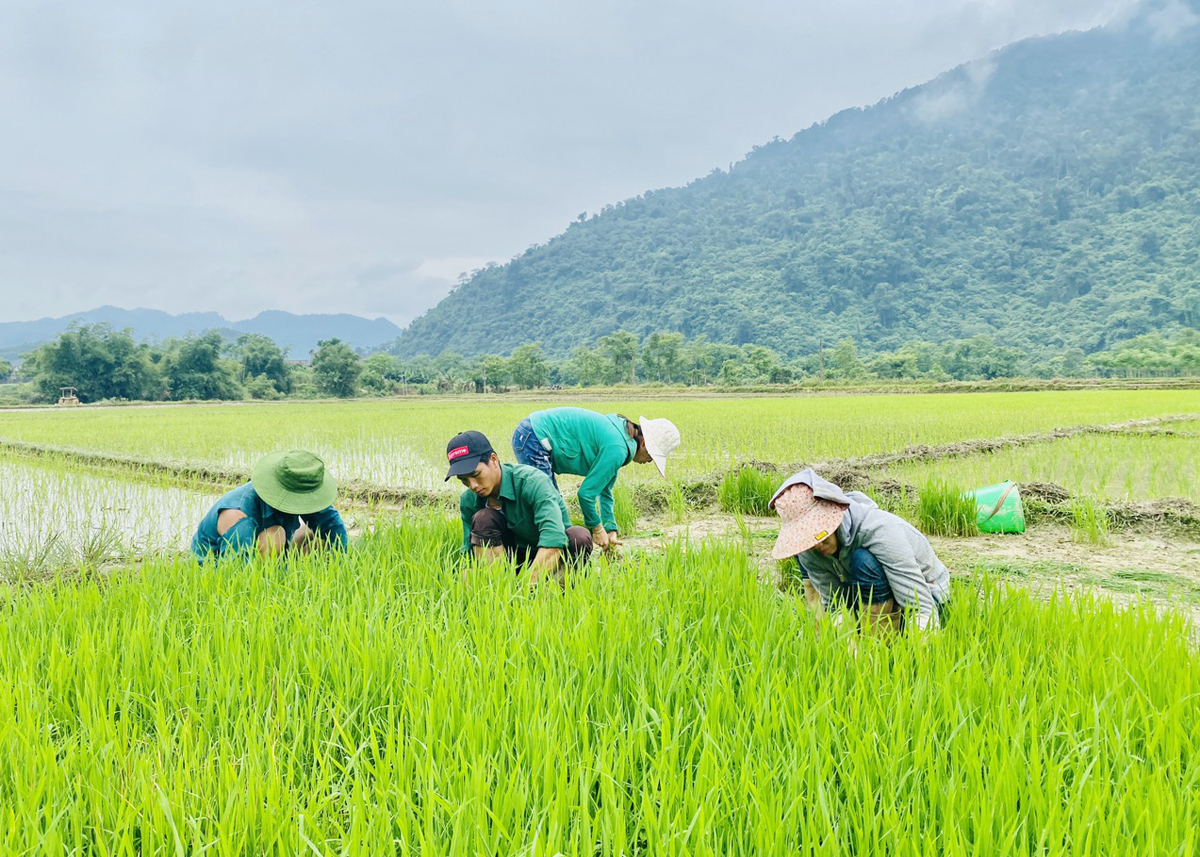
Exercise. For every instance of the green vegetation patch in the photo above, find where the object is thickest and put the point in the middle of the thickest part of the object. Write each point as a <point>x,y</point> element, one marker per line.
<point>748,491</point>
<point>373,703</point>
<point>944,510</point>
<point>1158,585</point>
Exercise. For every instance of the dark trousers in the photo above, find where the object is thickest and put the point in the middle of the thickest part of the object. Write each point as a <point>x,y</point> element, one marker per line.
<point>868,583</point>
<point>489,529</point>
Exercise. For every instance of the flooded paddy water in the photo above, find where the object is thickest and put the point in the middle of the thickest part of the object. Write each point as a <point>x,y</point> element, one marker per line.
<point>53,517</point>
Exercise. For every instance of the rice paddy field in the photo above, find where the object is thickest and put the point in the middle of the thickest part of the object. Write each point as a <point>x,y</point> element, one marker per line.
<point>402,441</point>
<point>1130,466</point>
<point>666,702</point>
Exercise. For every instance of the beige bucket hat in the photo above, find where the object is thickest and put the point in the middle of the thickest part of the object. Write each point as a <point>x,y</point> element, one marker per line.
<point>662,438</point>
<point>806,520</point>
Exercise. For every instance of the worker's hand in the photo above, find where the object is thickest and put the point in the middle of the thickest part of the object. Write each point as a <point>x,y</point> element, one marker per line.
<point>303,539</point>
<point>600,537</point>
<point>614,540</point>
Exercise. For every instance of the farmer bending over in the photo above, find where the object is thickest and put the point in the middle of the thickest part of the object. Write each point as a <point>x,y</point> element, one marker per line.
<point>857,555</point>
<point>513,510</point>
<point>594,446</point>
<point>286,505</point>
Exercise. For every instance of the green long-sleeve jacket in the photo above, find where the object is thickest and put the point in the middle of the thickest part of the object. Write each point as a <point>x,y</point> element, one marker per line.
<point>594,446</point>
<point>535,512</point>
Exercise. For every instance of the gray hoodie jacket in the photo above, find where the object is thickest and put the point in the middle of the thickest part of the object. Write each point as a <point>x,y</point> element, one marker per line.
<point>917,577</point>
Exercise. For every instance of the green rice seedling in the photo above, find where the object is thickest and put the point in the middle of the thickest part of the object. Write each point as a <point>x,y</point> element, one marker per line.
<point>60,517</point>
<point>102,545</point>
<point>747,491</point>
<point>902,502</point>
<point>789,575</point>
<point>1089,521</point>
<point>373,703</point>
<point>26,557</point>
<point>944,510</point>
<point>1080,464</point>
<point>624,509</point>
<point>677,505</point>
<point>744,533</point>
<point>401,442</point>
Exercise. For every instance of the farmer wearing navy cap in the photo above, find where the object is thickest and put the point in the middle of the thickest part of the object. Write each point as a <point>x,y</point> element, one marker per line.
<point>286,505</point>
<point>513,510</point>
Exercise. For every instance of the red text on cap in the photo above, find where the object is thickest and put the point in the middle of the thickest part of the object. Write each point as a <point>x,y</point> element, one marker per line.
<point>457,452</point>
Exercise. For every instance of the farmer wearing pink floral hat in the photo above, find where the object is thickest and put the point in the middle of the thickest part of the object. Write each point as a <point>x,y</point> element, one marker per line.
<point>855,554</point>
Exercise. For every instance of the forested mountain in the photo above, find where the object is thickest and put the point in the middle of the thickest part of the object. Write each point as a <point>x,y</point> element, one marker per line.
<point>1048,194</point>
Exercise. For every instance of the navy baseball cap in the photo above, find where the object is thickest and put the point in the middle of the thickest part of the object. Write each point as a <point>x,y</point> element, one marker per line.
<point>465,451</point>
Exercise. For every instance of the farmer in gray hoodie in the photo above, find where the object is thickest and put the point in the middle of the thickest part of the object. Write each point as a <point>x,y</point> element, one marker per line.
<point>857,554</point>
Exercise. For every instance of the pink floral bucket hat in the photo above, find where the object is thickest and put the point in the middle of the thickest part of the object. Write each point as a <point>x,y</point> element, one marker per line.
<point>806,520</point>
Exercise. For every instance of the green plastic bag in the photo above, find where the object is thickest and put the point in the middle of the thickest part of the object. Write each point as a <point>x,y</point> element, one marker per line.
<point>999,508</point>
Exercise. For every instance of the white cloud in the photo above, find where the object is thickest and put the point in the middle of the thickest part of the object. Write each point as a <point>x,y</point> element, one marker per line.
<point>1171,19</point>
<point>325,156</point>
<point>953,92</point>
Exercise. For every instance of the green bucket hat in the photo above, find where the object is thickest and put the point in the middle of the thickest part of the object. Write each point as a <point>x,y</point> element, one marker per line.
<point>293,482</point>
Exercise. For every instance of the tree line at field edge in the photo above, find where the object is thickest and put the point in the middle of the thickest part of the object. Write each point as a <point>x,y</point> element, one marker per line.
<point>106,364</point>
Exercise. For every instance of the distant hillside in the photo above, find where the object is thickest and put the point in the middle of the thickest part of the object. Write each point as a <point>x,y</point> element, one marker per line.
<point>299,333</point>
<point>1048,194</point>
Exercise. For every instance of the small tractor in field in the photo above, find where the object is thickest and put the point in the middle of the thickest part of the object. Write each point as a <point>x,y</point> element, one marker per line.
<point>68,397</point>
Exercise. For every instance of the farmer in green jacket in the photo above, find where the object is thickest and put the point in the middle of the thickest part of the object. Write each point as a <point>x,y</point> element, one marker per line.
<point>286,506</point>
<point>594,446</point>
<point>511,510</point>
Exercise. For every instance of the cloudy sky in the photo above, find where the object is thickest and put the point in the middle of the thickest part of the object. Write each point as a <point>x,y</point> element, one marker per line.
<point>357,155</point>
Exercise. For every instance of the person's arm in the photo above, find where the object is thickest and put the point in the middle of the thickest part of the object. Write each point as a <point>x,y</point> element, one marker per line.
<point>891,549</point>
<point>608,518</point>
<point>239,532</point>
<point>467,507</point>
<point>819,580</point>
<point>597,484</point>
<point>239,537</point>
<point>329,526</point>
<point>605,535</point>
<point>552,534</point>
<point>545,561</point>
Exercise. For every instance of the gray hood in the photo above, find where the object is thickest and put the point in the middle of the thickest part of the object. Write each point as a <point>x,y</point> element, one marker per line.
<point>823,489</point>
